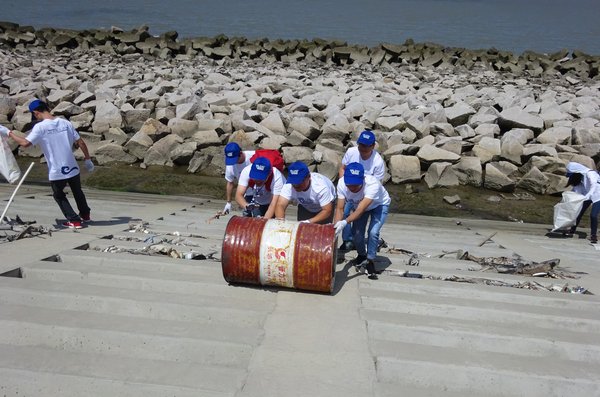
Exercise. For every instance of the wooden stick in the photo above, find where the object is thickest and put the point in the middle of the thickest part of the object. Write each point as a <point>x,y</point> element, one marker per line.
<point>488,238</point>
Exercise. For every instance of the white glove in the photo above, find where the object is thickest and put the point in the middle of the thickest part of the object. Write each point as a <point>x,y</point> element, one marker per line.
<point>4,131</point>
<point>339,226</point>
<point>305,221</point>
<point>89,165</point>
<point>227,208</point>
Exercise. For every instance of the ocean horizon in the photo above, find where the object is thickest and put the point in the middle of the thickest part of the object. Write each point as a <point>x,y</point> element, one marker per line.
<point>543,26</point>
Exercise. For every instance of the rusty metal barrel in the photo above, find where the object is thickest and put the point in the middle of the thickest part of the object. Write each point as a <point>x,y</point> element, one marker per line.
<point>280,253</point>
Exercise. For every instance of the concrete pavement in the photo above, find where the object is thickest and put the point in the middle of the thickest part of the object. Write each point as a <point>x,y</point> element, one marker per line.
<point>84,320</point>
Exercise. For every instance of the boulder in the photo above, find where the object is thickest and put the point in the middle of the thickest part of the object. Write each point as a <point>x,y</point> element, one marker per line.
<point>440,175</point>
<point>182,154</point>
<point>182,127</point>
<point>495,179</point>
<point>113,153</point>
<point>488,149</point>
<point>555,135</point>
<point>204,139</point>
<point>469,171</point>
<point>534,181</point>
<point>405,168</point>
<point>330,162</point>
<point>430,154</point>
<point>291,154</point>
<point>139,144</point>
<point>107,115</point>
<point>160,152</point>
<point>459,113</point>
<point>517,118</point>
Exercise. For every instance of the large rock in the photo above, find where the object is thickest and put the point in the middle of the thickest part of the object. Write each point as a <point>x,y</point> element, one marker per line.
<point>182,154</point>
<point>204,139</point>
<point>459,113</point>
<point>160,152</point>
<point>555,136</point>
<point>113,153</point>
<point>495,179</point>
<point>182,127</point>
<point>517,118</point>
<point>430,154</point>
<point>329,162</point>
<point>440,175</point>
<point>405,168</point>
<point>469,171</point>
<point>139,144</point>
<point>488,149</point>
<point>304,154</point>
<point>534,181</point>
<point>305,126</point>
<point>154,129</point>
<point>107,116</point>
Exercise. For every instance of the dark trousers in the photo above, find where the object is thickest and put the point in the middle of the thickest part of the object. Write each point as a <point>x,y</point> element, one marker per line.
<point>593,215</point>
<point>304,214</point>
<point>63,203</point>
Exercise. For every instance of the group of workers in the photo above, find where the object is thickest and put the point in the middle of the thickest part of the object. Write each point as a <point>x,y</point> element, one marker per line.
<point>357,207</point>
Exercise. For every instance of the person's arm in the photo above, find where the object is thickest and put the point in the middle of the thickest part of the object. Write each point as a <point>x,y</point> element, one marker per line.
<point>341,171</point>
<point>86,153</point>
<point>271,211</point>
<point>339,210</point>
<point>359,210</point>
<point>229,191</point>
<point>239,196</point>
<point>282,205</point>
<point>325,213</point>
<point>19,139</point>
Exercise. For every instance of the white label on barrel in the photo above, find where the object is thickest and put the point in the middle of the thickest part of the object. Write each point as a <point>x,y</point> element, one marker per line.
<point>277,253</point>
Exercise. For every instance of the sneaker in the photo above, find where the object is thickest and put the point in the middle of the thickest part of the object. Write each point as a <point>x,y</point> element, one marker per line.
<point>359,263</point>
<point>593,239</point>
<point>347,246</point>
<point>371,270</point>
<point>85,218</point>
<point>72,225</point>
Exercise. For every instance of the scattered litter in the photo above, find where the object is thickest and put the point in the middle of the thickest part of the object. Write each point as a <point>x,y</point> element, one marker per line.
<point>160,250</point>
<point>516,265</point>
<point>17,229</point>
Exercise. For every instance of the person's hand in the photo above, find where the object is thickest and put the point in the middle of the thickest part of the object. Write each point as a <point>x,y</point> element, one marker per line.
<point>305,221</point>
<point>227,208</point>
<point>4,131</point>
<point>89,165</point>
<point>339,226</point>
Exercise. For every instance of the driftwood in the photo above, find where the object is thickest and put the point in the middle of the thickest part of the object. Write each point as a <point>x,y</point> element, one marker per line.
<point>487,239</point>
<point>503,264</point>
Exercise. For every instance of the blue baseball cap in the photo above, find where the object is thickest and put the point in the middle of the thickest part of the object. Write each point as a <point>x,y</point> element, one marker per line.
<point>354,174</point>
<point>297,172</point>
<point>366,138</point>
<point>232,153</point>
<point>36,103</point>
<point>260,169</point>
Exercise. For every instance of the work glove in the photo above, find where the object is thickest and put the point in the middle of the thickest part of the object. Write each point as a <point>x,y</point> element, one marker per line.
<point>227,208</point>
<point>4,131</point>
<point>305,221</point>
<point>339,226</point>
<point>89,165</point>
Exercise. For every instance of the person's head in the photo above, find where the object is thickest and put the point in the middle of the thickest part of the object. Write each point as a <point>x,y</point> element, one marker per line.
<point>233,153</point>
<point>366,144</point>
<point>575,178</point>
<point>260,170</point>
<point>354,176</point>
<point>298,176</point>
<point>37,108</point>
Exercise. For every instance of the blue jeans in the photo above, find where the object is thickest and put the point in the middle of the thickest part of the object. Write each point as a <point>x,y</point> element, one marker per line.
<point>347,232</point>
<point>378,216</point>
<point>593,215</point>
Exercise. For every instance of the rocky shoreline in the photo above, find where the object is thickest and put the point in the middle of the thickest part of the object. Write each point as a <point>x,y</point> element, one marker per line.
<point>443,115</point>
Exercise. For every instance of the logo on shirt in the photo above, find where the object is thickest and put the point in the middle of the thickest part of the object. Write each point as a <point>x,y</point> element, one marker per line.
<point>66,170</point>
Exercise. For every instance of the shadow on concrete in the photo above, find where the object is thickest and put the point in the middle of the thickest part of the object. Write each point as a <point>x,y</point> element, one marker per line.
<point>348,272</point>
<point>562,234</point>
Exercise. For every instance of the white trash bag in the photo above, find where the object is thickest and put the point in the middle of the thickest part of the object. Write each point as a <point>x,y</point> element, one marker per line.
<point>565,212</point>
<point>8,165</point>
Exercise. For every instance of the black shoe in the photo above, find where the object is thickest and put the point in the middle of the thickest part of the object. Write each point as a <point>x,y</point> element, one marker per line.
<point>371,270</point>
<point>347,246</point>
<point>359,262</point>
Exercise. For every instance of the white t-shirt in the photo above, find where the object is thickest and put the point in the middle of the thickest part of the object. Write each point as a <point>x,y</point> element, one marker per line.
<point>320,193</point>
<point>232,172</point>
<point>56,137</point>
<point>262,195</point>
<point>373,166</point>
<point>371,189</point>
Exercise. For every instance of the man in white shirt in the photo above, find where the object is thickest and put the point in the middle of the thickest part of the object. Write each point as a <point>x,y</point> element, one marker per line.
<point>314,193</point>
<point>369,200</point>
<point>365,154</point>
<point>236,160</point>
<point>56,137</point>
<point>267,183</point>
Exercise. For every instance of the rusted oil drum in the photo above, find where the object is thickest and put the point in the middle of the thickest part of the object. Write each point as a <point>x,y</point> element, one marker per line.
<point>277,252</point>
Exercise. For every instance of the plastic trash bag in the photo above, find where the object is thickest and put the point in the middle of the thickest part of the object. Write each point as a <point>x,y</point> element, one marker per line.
<point>565,212</point>
<point>8,165</point>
